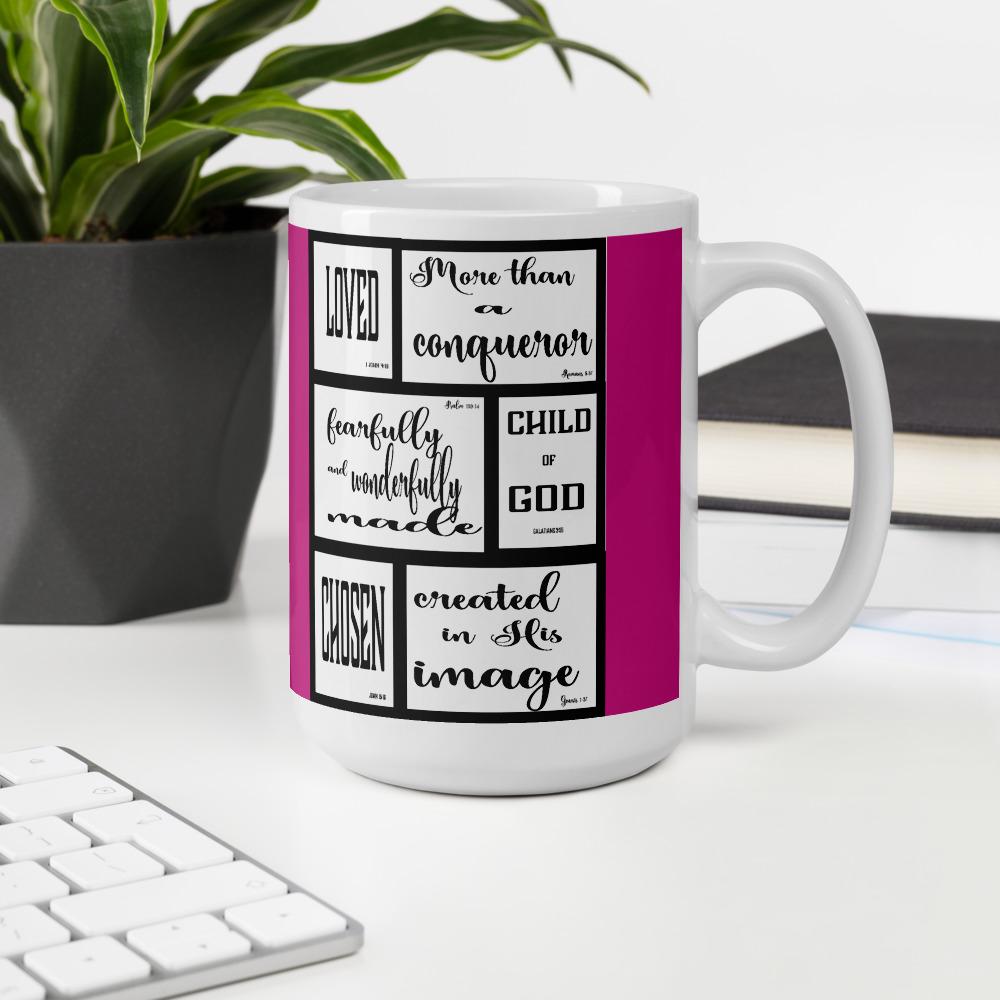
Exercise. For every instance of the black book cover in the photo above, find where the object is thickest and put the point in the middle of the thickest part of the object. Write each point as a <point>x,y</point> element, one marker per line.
<point>943,376</point>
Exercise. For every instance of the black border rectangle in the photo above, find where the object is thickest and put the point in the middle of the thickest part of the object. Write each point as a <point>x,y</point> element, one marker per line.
<point>492,556</point>
<point>601,537</point>
<point>491,473</point>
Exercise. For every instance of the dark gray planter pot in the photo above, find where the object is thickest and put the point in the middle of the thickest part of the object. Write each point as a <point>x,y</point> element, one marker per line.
<point>136,388</point>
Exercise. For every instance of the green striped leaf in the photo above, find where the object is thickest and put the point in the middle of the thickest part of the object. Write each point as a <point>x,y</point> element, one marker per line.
<point>21,213</point>
<point>236,185</point>
<point>298,69</point>
<point>272,114</point>
<point>105,193</point>
<point>129,34</point>
<point>16,15</point>
<point>68,92</point>
<point>534,11</point>
<point>208,37</point>
<point>596,53</point>
<point>110,193</point>
<point>11,85</point>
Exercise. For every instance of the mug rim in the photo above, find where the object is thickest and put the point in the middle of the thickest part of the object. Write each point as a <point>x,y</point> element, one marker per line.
<point>444,206</point>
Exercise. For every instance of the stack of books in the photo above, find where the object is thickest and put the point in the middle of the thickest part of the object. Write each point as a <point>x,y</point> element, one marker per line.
<point>775,468</point>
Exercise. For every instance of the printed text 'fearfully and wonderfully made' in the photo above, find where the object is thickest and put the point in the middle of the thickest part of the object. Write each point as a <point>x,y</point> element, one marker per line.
<point>433,483</point>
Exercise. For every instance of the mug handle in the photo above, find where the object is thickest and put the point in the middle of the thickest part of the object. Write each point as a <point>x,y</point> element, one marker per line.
<point>721,271</point>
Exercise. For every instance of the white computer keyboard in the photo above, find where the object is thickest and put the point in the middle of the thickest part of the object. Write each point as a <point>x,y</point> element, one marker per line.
<point>104,892</point>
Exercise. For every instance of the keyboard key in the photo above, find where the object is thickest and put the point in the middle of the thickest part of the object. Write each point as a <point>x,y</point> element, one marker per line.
<point>26,928</point>
<point>18,985</point>
<point>84,966</point>
<point>101,867</point>
<point>112,911</point>
<point>60,796</point>
<point>104,893</point>
<point>38,839</point>
<point>28,882</point>
<point>287,920</point>
<point>39,764</point>
<point>173,841</point>
<point>189,943</point>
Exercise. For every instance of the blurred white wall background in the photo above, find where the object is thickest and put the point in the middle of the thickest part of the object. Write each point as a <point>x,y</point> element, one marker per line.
<point>867,131</point>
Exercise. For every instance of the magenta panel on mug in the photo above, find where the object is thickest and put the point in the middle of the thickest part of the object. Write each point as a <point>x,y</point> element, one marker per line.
<point>644,469</point>
<point>485,463</point>
<point>299,530</point>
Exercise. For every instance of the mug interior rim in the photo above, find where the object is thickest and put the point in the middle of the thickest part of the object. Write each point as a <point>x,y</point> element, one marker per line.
<point>490,197</point>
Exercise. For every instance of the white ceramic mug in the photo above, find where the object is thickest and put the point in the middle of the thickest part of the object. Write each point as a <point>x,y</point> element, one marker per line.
<point>493,476</point>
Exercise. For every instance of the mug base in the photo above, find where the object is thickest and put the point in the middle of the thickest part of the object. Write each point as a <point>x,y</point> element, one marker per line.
<point>495,758</point>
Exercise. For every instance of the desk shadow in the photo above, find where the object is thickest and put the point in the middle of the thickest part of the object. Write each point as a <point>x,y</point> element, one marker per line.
<point>733,730</point>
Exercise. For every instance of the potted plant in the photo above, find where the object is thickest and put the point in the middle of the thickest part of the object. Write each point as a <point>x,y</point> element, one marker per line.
<point>137,289</point>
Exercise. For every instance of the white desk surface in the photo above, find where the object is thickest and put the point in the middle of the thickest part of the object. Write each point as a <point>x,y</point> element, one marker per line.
<point>832,831</point>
